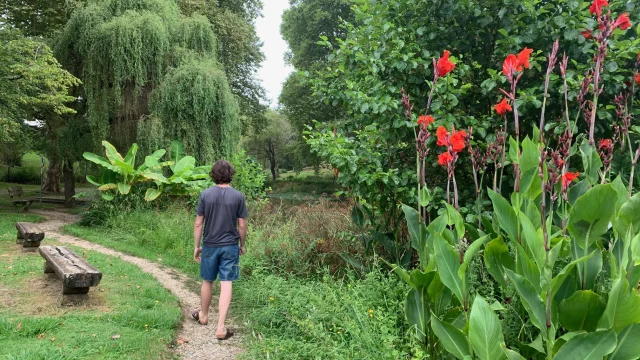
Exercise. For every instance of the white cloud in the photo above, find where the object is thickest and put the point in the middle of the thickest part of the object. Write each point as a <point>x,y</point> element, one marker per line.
<point>274,71</point>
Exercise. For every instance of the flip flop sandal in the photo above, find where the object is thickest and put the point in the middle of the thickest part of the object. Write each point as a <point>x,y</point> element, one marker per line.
<point>195,315</point>
<point>226,336</point>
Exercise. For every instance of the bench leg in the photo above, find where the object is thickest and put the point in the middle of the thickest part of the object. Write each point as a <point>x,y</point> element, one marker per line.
<point>30,246</point>
<point>73,299</point>
<point>71,291</point>
<point>47,268</point>
<point>19,238</point>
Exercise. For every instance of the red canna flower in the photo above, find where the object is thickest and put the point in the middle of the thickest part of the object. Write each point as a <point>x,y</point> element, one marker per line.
<point>502,107</point>
<point>458,140</point>
<point>445,158</point>
<point>510,65</point>
<point>443,136</point>
<point>638,79</point>
<point>623,22</point>
<point>605,144</point>
<point>567,178</point>
<point>596,7</point>
<point>444,65</point>
<point>523,58</point>
<point>587,34</point>
<point>425,120</point>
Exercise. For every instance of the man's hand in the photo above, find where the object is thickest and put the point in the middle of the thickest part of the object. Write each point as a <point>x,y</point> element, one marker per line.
<point>243,250</point>
<point>196,254</point>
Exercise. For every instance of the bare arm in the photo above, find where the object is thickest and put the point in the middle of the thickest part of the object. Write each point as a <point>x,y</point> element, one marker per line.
<point>197,236</point>
<point>242,229</point>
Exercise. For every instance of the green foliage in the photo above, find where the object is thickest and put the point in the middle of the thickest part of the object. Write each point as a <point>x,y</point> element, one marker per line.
<point>33,83</point>
<point>273,143</point>
<point>195,100</point>
<point>238,49</point>
<point>130,51</point>
<point>36,18</point>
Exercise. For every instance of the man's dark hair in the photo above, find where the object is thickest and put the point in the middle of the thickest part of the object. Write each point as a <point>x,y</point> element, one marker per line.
<point>222,172</point>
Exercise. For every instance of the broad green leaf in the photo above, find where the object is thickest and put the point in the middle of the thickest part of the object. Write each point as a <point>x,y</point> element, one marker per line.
<point>485,332</point>
<point>183,167</point>
<point>582,311</point>
<point>440,294</point>
<point>507,218</point>
<point>472,250</point>
<point>417,310</point>
<point>176,152</point>
<point>448,261</point>
<point>564,338</point>
<point>590,215</point>
<point>111,152</point>
<point>154,176</point>
<point>357,216</point>
<point>526,268</point>
<point>621,189</point>
<point>107,197</point>
<point>130,158</point>
<point>421,279</point>
<point>456,220</point>
<point>124,168</point>
<point>513,355</point>
<point>528,164</point>
<point>589,269</point>
<point>628,347</point>
<point>623,306</point>
<point>451,338</point>
<point>418,233</point>
<point>628,219</point>
<point>591,162</point>
<point>559,280</point>
<point>496,258</point>
<point>152,194</point>
<point>531,300</point>
<point>534,243</point>
<point>92,180</point>
<point>589,346</point>
<point>124,188</point>
<point>107,176</point>
<point>97,159</point>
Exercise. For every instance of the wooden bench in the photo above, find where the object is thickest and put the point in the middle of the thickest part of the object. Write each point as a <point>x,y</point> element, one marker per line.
<point>29,236</point>
<point>26,204</point>
<point>76,273</point>
<point>15,191</point>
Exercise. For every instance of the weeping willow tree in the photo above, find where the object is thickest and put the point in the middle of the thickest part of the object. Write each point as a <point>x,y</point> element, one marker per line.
<point>128,52</point>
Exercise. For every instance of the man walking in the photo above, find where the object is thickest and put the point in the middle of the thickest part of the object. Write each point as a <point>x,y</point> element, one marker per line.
<point>223,211</point>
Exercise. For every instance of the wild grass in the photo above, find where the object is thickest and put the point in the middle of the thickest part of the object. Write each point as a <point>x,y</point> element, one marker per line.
<point>128,316</point>
<point>296,295</point>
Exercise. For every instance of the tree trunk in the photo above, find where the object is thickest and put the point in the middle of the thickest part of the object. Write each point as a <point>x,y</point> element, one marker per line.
<point>69,185</point>
<point>52,182</point>
<point>273,161</point>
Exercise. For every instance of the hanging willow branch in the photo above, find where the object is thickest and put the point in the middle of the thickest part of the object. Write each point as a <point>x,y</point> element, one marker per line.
<point>128,52</point>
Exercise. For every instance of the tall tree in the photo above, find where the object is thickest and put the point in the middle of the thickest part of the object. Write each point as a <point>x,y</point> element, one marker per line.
<point>303,25</point>
<point>36,18</point>
<point>274,143</point>
<point>141,60</point>
<point>239,48</point>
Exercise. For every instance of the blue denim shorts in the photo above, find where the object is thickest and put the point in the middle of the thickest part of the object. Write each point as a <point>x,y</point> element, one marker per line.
<point>223,261</point>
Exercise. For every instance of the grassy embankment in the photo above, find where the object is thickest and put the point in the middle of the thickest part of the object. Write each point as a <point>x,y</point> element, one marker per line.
<point>129,315</point>
<point>296,297</point>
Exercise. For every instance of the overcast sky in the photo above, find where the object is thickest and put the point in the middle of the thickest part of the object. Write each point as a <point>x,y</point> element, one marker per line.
<point>274,71</point>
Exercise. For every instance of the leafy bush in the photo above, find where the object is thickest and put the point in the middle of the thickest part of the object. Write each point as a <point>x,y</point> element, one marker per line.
<point>23,175</point>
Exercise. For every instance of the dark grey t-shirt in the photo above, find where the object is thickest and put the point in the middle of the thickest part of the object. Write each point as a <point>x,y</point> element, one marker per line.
<point>221,208</point>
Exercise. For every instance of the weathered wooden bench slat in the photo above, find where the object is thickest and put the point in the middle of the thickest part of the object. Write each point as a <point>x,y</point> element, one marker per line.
<point>77,274</point>
<point>29,235</point>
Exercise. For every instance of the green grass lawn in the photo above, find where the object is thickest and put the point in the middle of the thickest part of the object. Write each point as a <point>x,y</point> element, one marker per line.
<point>128,316</point>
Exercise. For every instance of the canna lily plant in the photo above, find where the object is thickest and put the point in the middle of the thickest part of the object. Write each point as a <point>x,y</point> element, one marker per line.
<point>566,243</point>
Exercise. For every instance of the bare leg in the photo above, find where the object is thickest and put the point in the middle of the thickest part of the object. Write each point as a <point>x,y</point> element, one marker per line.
<point>205,301</point>
<point>226,288</point>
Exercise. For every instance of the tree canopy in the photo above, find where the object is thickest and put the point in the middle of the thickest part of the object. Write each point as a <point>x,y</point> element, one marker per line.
<point>125,50</point>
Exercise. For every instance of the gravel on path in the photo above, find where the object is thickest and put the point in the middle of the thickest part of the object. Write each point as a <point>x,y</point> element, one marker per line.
<point>194,341</point>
